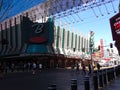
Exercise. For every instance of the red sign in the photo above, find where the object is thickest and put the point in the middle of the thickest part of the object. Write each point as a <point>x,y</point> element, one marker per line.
<point>115,26</point>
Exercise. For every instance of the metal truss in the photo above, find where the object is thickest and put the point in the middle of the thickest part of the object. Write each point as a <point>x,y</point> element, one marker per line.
<point>87,6</point>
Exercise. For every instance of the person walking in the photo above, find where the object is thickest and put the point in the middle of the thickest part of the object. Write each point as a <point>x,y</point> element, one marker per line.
<point>12,67</point>
<point>83,68</point>
<point>34,67</point>
<point>40,67</point>
<point>89,67</point>
<point>98,66</point>
<point>77,67</point>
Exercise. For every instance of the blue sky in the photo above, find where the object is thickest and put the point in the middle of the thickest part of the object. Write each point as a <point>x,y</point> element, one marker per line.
<point>100,25</point>
<point>17,6</point>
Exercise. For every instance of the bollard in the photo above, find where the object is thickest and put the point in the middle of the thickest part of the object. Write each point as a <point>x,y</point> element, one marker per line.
<point>115,72</point>
<point>105,77</point>
<point>118,70</point>
<point>100,78</point>
<point>108,75</point>
<point>73,84</point>
<point>86,83</point>
<point>111,74</point>
<point>52,87</point>
<point>95,80</point>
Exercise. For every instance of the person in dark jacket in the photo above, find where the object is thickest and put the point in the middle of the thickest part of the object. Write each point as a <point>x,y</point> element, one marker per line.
<point>89,67</point>
<point>98,66</point>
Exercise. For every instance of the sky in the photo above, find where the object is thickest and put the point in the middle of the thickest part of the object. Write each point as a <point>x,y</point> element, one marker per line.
<point>100,25</point>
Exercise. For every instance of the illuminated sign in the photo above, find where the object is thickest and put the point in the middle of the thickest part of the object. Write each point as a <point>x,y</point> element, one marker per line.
<point>115,26</point>
<point>38,33</point>
<point>38,28</point>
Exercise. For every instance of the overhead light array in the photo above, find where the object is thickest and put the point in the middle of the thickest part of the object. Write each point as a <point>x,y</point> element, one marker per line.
<point>79,9</point>
<point>113,7</point>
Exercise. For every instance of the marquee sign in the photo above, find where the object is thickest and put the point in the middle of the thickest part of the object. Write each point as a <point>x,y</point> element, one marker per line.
<point>115,26</point>
<point>38,33</point>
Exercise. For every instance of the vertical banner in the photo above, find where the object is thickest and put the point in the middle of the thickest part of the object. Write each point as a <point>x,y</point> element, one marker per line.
<point>115,29</point>
<point>8,36</point>
<point>18,30</point>
<point>3,38</point>
<point>54,44</point>
<point>11,41</point>
<point>13,34</point>
<point>115,26</point>
<point>26,27</point>
<point>68,39</point>
<point>16,35</point>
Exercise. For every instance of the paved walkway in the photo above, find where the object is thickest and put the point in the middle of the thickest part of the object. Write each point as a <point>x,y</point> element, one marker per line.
<point>114,85</point>
<point>41,80</point>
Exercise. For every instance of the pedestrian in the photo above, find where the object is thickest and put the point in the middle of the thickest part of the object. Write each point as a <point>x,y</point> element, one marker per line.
<point>24,66</point>
<point>29,66</point>
<point>34,67</point>
<point>40,67</point>
<point>77,66</point>
<point>89,67</point>
<point>73,66</point>
<point>83,68</point>
<point>12,67</point>
<point>98,66</point>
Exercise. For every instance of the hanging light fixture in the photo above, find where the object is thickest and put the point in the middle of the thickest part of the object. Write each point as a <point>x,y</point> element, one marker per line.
<point>113,7</point>
<point>106,8</point>
<point>94,12</point>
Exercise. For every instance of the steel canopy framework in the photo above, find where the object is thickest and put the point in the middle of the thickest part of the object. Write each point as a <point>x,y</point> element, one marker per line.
<point>60,8</point>
<point>55,8</point>
<point>85,6</point>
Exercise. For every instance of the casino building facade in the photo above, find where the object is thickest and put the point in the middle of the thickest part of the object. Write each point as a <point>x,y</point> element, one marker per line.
<point>27,37</point>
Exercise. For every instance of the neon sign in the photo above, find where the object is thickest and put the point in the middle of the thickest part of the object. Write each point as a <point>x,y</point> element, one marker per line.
<point>115,26</point>
<point>38,33</point>
<point>38,27</point>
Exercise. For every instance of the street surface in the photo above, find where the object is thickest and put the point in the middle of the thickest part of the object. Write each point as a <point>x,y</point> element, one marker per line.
<point>41,80</point>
